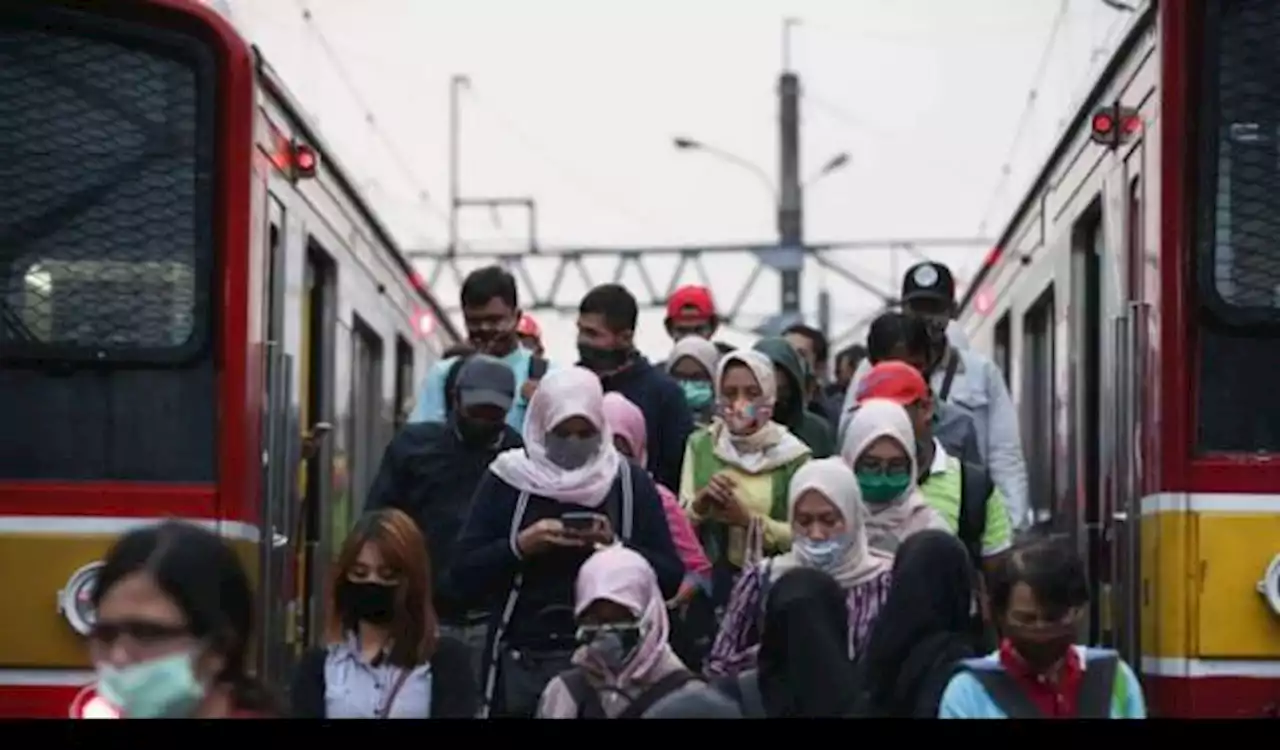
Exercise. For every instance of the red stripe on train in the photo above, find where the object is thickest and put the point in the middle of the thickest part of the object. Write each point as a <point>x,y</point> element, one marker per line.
<point>1211,697</point>
<point>37,701</point>
<point>117,499</point>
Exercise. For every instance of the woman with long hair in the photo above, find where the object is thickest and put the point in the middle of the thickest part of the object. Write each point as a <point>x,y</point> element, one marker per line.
<point>385,658</point>
<point>828,527</point>
<point>173,628</point>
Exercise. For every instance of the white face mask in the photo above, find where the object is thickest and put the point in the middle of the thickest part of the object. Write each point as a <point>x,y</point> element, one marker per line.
<point>161,688</point>
<point>822,555</point>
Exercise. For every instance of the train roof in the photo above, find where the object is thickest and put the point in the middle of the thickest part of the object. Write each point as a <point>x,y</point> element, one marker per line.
<point>1137,27</point>
<point>275,87</point>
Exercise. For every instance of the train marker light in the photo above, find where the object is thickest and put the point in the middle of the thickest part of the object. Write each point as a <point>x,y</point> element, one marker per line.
<point>1269,586</point>
<point>305,161</point>
<point>1114,125</point>
<point>89,705</point>
<point>75,600</point>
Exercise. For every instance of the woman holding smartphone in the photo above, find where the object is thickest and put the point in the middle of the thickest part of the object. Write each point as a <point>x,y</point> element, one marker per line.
<point>536,517</point>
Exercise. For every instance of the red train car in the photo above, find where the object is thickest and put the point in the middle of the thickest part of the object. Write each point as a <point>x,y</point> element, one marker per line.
<point>189,285</point>
<point>1134,305</point>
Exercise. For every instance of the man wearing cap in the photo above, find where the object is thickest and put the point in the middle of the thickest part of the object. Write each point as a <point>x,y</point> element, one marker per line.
<point>431,469</point>
<point>692,312</point>
<point>962,493</point>
<point>968,379</point>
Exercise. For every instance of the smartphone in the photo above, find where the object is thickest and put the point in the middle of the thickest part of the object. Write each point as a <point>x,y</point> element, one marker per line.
<point>580,522</point>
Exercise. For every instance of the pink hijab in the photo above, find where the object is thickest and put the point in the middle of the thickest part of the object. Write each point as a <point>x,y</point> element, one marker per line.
<point>564,393</point>
<point>626,421</point>
<point>621,576</point>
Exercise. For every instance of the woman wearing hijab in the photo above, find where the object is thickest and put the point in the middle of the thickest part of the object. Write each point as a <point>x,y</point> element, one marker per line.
<point>804,669</point>
<point>880,446</point>
<point>625,664</point>
<point>536,517</point>
<point>736,472</point>
<point>923,629</point>
<point>693,364</point>
<point>829,534</point>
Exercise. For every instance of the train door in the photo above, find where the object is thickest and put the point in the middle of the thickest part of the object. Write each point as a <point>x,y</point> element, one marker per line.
<point>1086,310</point>
<point>404,381</point>
<point>366,412</point>
<point>1130,377</point>
<point>316,404</point>
<point>276,466</point>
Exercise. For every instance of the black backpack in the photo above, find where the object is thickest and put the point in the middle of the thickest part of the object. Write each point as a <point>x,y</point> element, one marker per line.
<point>975,491</point>
<point>588,699</point>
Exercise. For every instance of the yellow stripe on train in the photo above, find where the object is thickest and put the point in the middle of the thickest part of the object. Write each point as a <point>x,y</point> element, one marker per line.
<point>1202,557</point>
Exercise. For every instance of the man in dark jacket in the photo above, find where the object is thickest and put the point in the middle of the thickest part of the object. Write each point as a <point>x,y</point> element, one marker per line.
<point>431,469</point>
<point>606,325</point>
<point>791,410</point>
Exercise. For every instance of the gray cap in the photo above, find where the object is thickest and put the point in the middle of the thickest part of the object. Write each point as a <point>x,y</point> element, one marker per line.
<point>486,381</point>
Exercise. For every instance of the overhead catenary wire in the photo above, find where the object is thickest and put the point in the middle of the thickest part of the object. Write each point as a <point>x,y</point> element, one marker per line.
<point>1028,110</point>
<point>384,139</point>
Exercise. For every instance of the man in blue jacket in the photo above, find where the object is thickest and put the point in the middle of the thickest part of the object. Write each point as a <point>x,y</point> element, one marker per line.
<point>606,327</point>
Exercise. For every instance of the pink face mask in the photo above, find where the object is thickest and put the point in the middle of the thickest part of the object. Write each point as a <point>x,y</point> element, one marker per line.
<point>743,416</point>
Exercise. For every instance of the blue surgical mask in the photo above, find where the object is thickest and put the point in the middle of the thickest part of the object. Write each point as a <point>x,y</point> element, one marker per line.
<point>163,688</point>
<point>822,555</point>
<point>571,453</point>
<point>697,393</point>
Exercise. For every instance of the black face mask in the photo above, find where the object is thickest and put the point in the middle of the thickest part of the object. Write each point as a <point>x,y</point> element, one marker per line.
<point>478,433</point>
<point>368,602</point>
<point>490,340</point>
<point>598,359</point>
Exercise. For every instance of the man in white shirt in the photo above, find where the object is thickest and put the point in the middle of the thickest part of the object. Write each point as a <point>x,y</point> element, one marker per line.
<point>967,379</point>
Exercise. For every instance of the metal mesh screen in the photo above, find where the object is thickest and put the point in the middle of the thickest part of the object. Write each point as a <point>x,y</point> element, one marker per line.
<point>98,194</point>
<point>1243,74</point>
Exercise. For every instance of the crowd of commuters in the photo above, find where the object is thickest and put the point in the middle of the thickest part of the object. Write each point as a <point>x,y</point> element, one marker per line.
<point>730,533</point>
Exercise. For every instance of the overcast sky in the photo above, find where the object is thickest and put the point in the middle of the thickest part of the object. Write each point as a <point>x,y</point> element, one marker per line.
<point>575,102</point>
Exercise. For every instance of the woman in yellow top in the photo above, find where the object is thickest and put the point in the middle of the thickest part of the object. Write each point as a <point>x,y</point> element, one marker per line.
<point>737,471</point>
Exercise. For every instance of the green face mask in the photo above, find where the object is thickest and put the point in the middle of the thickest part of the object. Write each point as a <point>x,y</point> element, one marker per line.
<point>697,392</point>
<point>881,489</point>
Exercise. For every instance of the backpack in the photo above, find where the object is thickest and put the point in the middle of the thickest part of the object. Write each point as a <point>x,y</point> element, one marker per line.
<point>588,698</point>
<point>1102,686</point>
<point>975,490</point>
<point>706,464</point>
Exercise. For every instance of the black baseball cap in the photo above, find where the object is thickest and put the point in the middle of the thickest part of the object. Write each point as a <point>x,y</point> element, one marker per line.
<point>486,381</point>
<point>929,281</point>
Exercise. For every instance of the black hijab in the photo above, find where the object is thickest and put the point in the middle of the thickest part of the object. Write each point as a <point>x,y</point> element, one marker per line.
<point>804,664</point>
<point>923,627</point>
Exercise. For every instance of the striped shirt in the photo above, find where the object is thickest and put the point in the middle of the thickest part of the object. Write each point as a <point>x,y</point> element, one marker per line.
<point>738,641</point>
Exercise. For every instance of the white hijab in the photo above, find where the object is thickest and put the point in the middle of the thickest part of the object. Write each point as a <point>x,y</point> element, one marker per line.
<point>563,393</point>
<point>771,445</point>
<point>893,522</point>
<point>699,350</point>
<point>835,481</point>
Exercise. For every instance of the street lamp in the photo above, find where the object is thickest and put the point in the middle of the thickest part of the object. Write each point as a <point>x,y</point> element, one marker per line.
<point>834,164</point>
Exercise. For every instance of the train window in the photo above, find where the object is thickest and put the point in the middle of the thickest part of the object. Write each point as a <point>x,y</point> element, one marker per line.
<point>1038,373</point>
<point>366,410</point>
<point>1238,230</point>
<point>1002,349</point>
<point>404,381</point>
<point>105,215</point>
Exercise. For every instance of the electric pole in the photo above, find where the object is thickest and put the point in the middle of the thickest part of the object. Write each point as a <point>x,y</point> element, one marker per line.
<point>791,198</point>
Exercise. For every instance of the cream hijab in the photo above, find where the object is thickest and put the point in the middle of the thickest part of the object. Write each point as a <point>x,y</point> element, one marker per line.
<point>893,522</point>
<point>831,478</point>
<point>564,393</point>
<point>771,445</point>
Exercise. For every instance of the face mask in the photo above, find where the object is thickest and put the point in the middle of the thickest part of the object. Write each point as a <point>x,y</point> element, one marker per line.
<point>478,433</point>
<point>1041,648</point>
<point>881,489</point>
<point>697,393</point>
<point>598,359</point>
<point>743,416</point>
<point>611,646</point>
<point>164,688</point>
<point>571,453</point>
<point>491,340</point>
<point>822,555</point>
<point>368,602</point>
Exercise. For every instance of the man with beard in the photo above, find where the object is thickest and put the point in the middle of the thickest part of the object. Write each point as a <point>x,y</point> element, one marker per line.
<point>431,469</point>
<point>606,327</point>
<point>491,315</point>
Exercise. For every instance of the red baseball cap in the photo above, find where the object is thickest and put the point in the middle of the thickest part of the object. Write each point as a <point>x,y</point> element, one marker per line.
<point>691,302</point>
<point>894,381</point>
<point>528,326</point>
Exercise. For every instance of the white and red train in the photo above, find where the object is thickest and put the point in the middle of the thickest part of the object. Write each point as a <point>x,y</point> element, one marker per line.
<point>1133,303</point>
<point>189,285</point>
